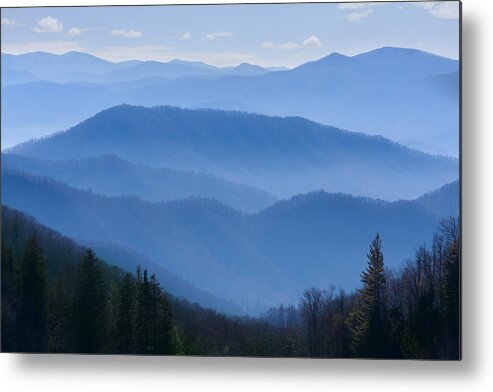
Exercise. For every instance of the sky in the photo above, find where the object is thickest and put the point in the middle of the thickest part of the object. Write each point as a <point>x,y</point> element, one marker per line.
<point>227,35</point>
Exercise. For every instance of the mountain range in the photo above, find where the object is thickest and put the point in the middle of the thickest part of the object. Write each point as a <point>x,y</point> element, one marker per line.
<point>252,260</point>
<point>281,156</point>
<point>239,186</point>
<point>112,176</point>
<point>407,95</point>
<point>83,67</point>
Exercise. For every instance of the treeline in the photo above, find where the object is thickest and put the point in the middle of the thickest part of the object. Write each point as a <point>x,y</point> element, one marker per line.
<point>411,314</point>
<point>58,297</point>
<point>77,311</point>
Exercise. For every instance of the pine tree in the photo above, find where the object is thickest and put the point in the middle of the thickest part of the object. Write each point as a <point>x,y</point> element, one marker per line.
<point>161,320</point>
<point>31,293</point>
<point>61,311</point>
<point>90,303</point>
<point>125,315</point>
<point>9,301</point>
<point>142,314</point>
<point>368,319</point>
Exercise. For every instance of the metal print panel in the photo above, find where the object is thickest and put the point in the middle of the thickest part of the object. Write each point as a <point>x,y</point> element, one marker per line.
<point>267,180</point>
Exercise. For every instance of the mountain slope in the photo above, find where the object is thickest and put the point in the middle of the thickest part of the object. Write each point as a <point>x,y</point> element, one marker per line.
<point>83,67</point>
<point>62,251</point>
<point>283,156</point>
<point>394,92</point>
<point>50,66</point>
<point>113,176</point>
<point>442,202</point>
<point>254,260</point>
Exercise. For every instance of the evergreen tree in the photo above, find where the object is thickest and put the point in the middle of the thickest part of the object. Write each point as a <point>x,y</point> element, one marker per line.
<point>124,327</point>
<point>142,314</point>
<point>161,320</point>
<point>31,293</point>
<point>9,302</point>
<point>61,312</point>
<point>90,303</point>
<point>368,320</point>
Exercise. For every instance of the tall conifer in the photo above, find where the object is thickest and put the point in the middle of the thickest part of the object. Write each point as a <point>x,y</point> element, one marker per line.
<point>368,318</point>
<point>91,301</point>
<point>31,292</point>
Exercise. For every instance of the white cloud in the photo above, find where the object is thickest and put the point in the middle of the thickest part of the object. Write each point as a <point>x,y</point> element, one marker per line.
<point>214,36</point>
<point>73,32</point>
<point>289,46</point>
<point>126,33</point>
<point>352,6</point>
<point>268,45</point>
<point>186,36</point>
<point>48,25</point>
<point>442,10</point>
<point>56,47</point>
<point>360,11</point>
<point>358,6</point>
<point>358,16</point>
<point>425,5</point>
<point>11,22</point>
<point>312,42</point>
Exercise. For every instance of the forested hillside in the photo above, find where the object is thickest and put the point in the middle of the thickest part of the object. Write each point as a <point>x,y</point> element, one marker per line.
<point>282,156</point>
<point>255,260</point>
<point>59,297</point>
<point>113,176</point>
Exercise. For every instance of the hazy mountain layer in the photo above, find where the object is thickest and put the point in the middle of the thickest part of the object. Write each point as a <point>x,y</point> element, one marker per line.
<point>253,260</point>
<point>407,95</point>
<point>283,156</point>
<point>113,176</point>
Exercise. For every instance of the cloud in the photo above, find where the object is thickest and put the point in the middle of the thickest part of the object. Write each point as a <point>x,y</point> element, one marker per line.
<point>55,47</point>
<point>360,11</point>
<point>268,45</point>
<point>11,22</point>
<point>425,5</point>
<point>48,25</point>
<point>126,33</point>
<point>441,10</point>
<point>358,6</point>
<point>214,36</point>
<point>352,6</point>
<point>312,42</point>
<point>74,32</point>
<point>358,16</point>
<point>289,46</point>
<point>186,36</point>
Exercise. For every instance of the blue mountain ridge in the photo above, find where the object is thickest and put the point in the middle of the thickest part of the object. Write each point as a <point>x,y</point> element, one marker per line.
<point>254,261</point>
<point>388,91</point>
<point>282,156</point>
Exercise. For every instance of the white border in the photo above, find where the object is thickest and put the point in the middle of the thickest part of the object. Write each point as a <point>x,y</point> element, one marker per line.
<point>474,373</point>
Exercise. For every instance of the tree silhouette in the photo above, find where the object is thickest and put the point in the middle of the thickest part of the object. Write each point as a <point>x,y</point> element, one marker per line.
<point>124,327</point>
<point>31,293</point>
<point>90,302</point>
<point>368,318</point>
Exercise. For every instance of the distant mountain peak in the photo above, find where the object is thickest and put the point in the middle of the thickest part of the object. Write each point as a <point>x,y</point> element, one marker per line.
<point>398,51</point>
